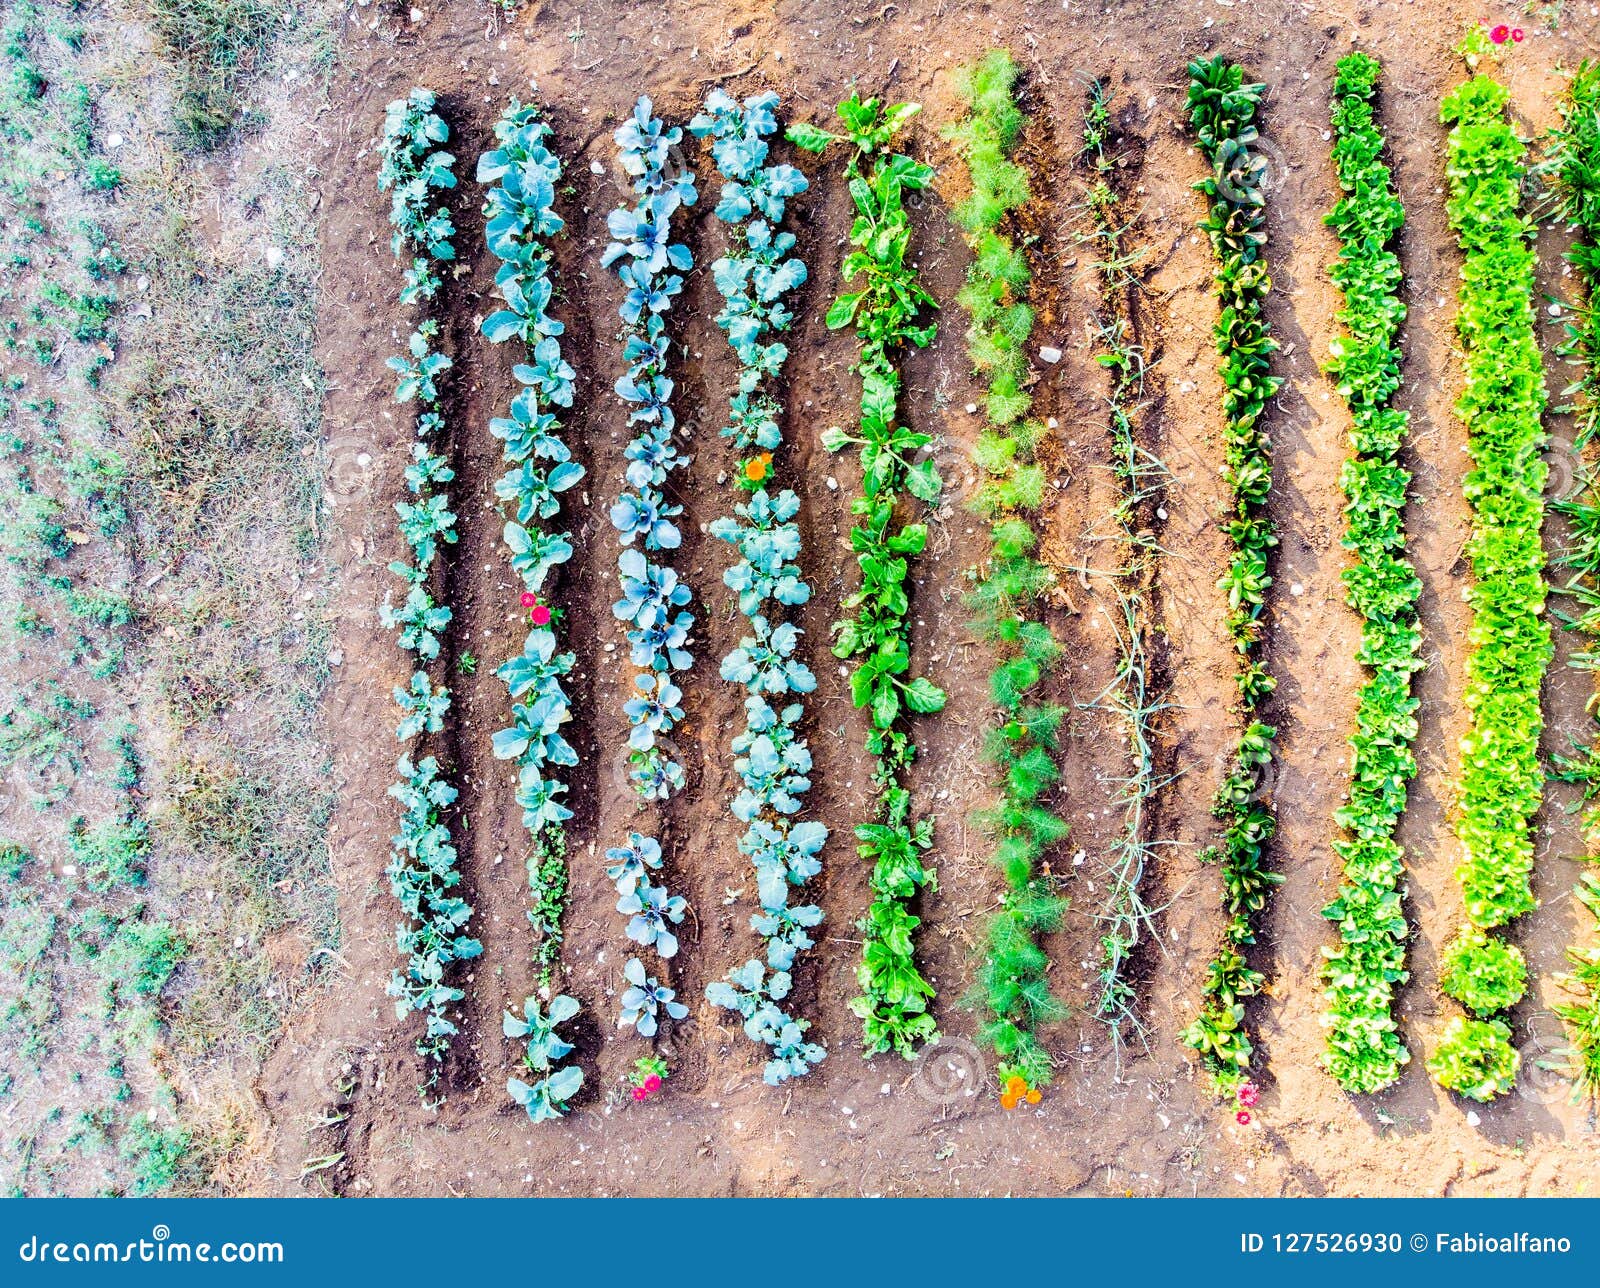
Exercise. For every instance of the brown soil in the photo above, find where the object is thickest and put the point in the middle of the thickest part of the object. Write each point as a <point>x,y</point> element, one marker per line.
<point>854,1127</point>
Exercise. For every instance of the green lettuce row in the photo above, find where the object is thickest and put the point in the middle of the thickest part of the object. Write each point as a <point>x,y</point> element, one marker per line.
<point>520,219</point>
<point>422,871</point>
<point>1364,1051</point>
<point>1575,163</point>
<point>1501,406</point>
<point>1141,480</point>
<point>1012,988</point>
<point>884,308</point>
<point>1222,108</point>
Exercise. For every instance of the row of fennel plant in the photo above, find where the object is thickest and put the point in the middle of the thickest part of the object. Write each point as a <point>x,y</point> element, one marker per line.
<point>1013,988</point>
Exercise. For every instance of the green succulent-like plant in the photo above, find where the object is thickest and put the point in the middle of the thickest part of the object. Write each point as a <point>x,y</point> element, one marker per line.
<point>1475,1059</point>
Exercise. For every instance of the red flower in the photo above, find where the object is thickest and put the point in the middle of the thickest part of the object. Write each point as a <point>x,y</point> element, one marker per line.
<point>1242,1118</point>
<point>1499,34</point>
<point>639,1093</point>
<point>1517,34</point>
<point>540,615</point>
<point>652,1083</point>
<point>1248,1094</point>
<point>529,599</point>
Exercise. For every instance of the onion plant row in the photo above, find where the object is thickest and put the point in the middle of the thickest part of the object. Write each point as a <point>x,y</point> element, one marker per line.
<point>1502,405</point>
<point>654,607</point>
<point>884,304</point>
<point>1013,989</point>
<point>1222,110</point>
<point>771,757</point>
<point>432,935</point>
<point>1141,476</point>
<point>1364,1051</point>
<point>520,220</point>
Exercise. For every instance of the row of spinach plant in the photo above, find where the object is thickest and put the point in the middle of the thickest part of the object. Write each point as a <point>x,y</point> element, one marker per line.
<point>1222,110</point>
<point>771,757</point>
<point>520,222</point>
<point>423,874</point>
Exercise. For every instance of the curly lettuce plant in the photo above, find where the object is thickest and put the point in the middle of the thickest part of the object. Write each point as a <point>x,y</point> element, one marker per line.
<point>771,758</point>
<point>883,307</point>
<point>1364,1051</point>
<point>654,603</point>
<point>1502,406</point>
<point>520,220</point>
<point>1013,987</point>
<point>422,870</point>
<point>1222,108</point>
<point>1575,171</point>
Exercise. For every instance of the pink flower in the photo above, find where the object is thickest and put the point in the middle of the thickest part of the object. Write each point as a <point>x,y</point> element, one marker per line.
<point>1242,1118</point>
<point>1499,34</point>
<point>540,615</point>
<point>1248,1094</point>
<point>529,599</point>
<point>652,1083</point>
<point>639,1093</point>
<point>1517,35</point>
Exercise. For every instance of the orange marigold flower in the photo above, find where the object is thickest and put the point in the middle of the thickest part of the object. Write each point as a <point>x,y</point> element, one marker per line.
<point>757,468</point>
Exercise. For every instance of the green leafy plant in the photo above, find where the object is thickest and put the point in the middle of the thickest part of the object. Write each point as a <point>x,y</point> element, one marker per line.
<point>1502,405</point>
<point>1364,1051</point>
<point>1222,109</point>
<point>1013,987</point>
<point>753,278</point>
<point>884,304</point>
<point>422,868</point>
<point>1475,1059</point>
<point>1483,973</point>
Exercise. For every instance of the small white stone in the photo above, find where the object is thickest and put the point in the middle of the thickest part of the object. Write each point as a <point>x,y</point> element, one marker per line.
<point>239,942</point>
<point>833,484</point>
<point>336,657</point>
<point>596,168</point>
<point>113,140</point>
<point>274,256</point>
<point>1297,589</point>
<point>972,408</point>
<point>363,459</point>
<point>416,15</point>
<point>1472,1118</point>
<point>1050,354</point>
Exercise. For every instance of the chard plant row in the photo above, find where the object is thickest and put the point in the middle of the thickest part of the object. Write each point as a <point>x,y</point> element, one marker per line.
<point>1575,164</point>
<point>1013,988</point>
<point>1222,110</point>
<point>1134,695</point>
<point>771,757</point>
<point>520,221</point>
<point>883,306</point>
<point>1502,407</point>
<point>1364,1050</point>
<point>432,935</point>
<point>654,607</point>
